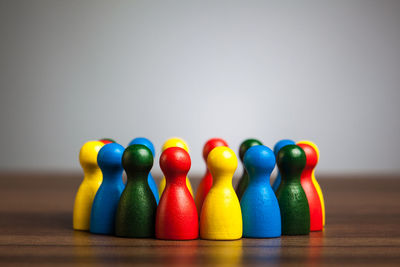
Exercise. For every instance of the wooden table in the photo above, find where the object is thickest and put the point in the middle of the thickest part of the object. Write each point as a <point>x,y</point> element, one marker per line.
<point>363,228</point>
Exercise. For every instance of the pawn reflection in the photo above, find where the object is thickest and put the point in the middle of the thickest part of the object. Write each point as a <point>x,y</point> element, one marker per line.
<point>227,253</point>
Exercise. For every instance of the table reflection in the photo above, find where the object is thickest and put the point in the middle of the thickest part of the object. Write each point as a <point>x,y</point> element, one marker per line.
<point>83,248</point>
<point>221,252</point>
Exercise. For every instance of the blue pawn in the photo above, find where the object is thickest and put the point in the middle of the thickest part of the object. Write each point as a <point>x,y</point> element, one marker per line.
<point>278,146</point>
<point>150,180</point>
<point>260,208</point>
<point>105,202</point>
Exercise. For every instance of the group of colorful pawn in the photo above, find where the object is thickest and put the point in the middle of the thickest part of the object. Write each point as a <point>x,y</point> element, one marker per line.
<point>105,205</point>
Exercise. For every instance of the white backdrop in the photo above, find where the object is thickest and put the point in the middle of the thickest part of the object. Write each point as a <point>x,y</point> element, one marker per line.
<point>328,71</point>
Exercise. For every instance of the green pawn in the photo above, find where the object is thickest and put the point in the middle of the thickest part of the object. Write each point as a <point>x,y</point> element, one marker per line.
<point>244,180</point>
<point>295,213</point>
<point>136,213</point>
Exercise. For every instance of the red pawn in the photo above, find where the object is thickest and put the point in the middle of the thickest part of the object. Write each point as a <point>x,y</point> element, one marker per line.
<point>314,202</point>
<point>207,181</point>
<point>176,217</point>
<point>107,141</point>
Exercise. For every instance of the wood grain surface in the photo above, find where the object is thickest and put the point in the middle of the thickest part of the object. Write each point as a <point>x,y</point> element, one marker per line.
<point>362,228</point>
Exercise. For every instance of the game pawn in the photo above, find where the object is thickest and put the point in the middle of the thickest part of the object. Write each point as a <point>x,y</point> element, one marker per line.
<point>278,146</point>
<point>137,207</point>
<point>177,217</point>
<point>89,186</point>
<point>207,181</point>
<point>295,213</point>
<point>102,219</point>
<point>221,216</point>
<point>260,208</point>
<point>107,141</point>
<point>146,142</point>
<point>175,142</point>
<point>244,180</point>
<point>311,186</point>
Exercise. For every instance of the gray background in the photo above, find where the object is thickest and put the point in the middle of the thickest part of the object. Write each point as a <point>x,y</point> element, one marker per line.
<point>327,71</point>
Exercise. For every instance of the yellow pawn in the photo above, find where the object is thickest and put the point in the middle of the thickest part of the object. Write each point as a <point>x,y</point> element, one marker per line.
<point>174,142</point>
<point>88,188</point>
<point>221,216</point>
<point>315,182</point>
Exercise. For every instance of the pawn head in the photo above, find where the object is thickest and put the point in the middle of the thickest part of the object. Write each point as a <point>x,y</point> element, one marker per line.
<point>311,154</point>
<point>284,142</point>
<point>88,154</point>
<point>175,161</point>
<point>222,160</point>
<point>175,142</point>
<point>259,160</point>
<point>137,158</point>
<point>311,144</point>
<point>211,144</point>
<point>145,142</point>
<point>245,145</point>
<point>110,156</point>
<point>107,140</point>
<point>291,160</point>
